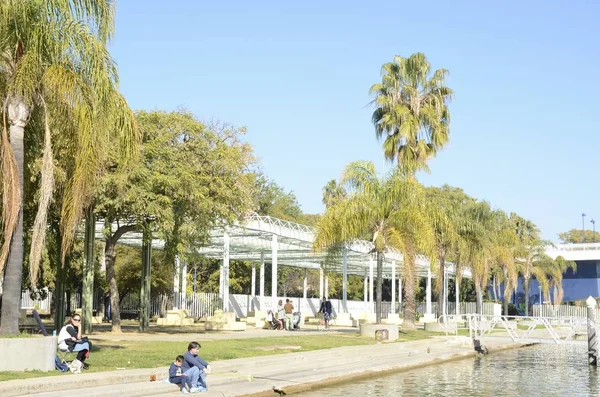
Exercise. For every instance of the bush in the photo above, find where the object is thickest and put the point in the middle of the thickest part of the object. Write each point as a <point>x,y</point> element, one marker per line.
<point>512,310</point>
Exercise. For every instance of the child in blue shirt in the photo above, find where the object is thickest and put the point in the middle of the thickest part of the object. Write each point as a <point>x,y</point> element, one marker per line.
<point>177,376</point>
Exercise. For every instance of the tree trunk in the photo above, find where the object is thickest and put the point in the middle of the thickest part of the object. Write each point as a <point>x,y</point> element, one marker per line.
<point>111,280</point>
<point>18,114</point>
<point>378,288</point>
<point>146,279</point>
<point>409,292</point>
<point>479,292</point>
<point>87,294</point>
<point>526,291</point>
<point>439,286</point>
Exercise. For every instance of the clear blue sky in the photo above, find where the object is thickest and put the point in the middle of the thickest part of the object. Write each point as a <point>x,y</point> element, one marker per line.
<point>525,132</point>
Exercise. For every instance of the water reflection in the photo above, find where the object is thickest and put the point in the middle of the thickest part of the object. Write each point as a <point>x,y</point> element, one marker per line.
<point>544,370</point>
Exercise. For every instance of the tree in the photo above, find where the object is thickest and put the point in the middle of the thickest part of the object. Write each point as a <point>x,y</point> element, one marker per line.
<point>54,68</point>
<point>273,200</point>
<point>191,178</point>
<point>575,236</point>
<point>411,116</point>
<point>477,245</point>
<point>411,112</point>
<point>530,251</point>
<point>391,210</point>
<point>446,215</point>
<point>332,193</point>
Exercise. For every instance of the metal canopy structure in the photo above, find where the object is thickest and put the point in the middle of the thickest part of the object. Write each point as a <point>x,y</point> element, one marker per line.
<point>252,240</point>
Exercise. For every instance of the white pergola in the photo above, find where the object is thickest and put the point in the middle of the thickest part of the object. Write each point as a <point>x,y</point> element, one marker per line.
<point>263,239</point>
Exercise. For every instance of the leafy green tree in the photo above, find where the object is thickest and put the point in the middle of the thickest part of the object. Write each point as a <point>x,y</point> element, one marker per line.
<point>391,210</point>
<point>272,200</point>
<point>576,236</point>
<point>191,178</point>
<point>55,68</point>
<point>411,111</point>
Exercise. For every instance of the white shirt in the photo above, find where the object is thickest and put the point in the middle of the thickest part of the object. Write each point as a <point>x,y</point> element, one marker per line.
<point>64,335</point>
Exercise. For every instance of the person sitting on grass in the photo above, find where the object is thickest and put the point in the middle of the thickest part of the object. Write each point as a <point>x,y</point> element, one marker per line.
<point>192,361</point>
<point>69,338</point>
<point>178,377</point>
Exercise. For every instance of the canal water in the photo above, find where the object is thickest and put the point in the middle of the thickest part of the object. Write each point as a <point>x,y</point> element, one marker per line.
<point>541,370</point>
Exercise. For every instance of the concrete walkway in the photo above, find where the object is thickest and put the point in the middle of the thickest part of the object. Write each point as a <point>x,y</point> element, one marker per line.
<point>292,372</point>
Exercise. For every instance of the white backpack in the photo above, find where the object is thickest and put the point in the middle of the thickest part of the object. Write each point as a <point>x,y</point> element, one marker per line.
<point>75,366</point>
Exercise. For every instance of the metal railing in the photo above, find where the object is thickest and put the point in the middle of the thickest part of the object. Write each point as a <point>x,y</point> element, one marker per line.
<point>524,329</point>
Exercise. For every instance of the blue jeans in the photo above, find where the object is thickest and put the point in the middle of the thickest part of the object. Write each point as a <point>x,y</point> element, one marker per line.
<point>202,380</point>
<point>81,346</point>
<point>193,374</point>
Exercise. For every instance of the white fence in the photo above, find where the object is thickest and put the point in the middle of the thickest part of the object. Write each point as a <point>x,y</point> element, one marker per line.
<point>205,304</point>
<point>561,311</point>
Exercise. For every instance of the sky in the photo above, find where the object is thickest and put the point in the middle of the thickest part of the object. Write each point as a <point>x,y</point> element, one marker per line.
<point>525,122</point>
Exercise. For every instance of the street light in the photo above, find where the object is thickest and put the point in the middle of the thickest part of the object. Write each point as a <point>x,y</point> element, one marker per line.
<point>583,223</point>
<point>594,229</point>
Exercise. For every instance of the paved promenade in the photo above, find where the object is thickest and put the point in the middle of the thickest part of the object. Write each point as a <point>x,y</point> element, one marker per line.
<point>292,372</point>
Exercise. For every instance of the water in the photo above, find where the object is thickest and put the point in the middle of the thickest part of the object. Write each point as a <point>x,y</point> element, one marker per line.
<point>542,370</point>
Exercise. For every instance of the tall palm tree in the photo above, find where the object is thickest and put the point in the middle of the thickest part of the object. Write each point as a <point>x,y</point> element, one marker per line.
<point>332,193</point>
<point>505,247</point>
<point>54,65</point>
<point>477,245</point>
<point>390,210</point>
<point>446,213</point>
<point>411,116</point>
<point>530,251</point>
<point>411,111</point>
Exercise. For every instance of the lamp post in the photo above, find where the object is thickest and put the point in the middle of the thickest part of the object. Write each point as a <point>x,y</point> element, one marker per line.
<point>594,229</point>
<point>583,224</point>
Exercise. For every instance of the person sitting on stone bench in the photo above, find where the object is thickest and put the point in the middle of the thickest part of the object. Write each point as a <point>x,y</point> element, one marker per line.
<point>70,339</point>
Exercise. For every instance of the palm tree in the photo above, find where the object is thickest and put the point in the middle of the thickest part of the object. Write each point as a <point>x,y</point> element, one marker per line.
<point>332,193</point>
<point>390,210</point>
<point>505,247</point>
<point>477,245</point>
<point>54,66</point>
<point>411,116</point>
<point>530,251</point>
<point>549,274</point>
<point>411,111</point>
<point>446,214</point>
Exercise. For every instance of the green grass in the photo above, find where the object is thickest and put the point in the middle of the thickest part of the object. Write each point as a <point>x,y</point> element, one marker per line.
<point>110,355</point>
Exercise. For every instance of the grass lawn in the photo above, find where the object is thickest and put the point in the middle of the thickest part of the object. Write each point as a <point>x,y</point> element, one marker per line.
<point>109,355</point>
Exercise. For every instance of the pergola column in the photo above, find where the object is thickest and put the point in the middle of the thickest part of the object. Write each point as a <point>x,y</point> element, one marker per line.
<point>253,285</point>
<point>457,288</point>
<point>225,272</point>
<point>261,282</point>
<point>253,281</point>
<point>371,279</point>
<point>428,292</point>
<point>305,284</point>
<point>146,279</point>
<point>366,289</point>
<point>393,310</point>
<point>327,287</point>
<point>274,271</point>
<point>345,281</point>
<point>321,276</point>
<point>176,283</point>
<point>184,285</point>
<point>400,292</point>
